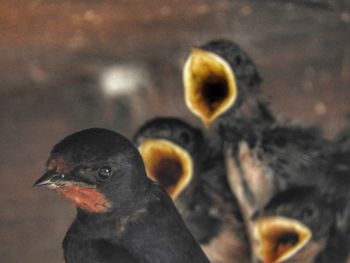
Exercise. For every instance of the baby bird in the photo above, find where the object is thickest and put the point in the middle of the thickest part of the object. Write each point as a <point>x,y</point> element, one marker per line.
<point>189,164</point>
<point>222,88</point>
<point>263,155</point>
<point>296,226</point>
<point>221,82</point>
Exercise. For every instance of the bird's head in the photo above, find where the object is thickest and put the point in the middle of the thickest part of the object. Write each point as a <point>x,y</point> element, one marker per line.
<point>294,225</point>
<point>96,169</point>
<point>172,151</point>
<point>170,148</point>
<point>218,76</point>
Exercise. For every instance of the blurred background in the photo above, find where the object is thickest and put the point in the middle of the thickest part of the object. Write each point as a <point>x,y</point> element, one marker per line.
<point>70,65</point>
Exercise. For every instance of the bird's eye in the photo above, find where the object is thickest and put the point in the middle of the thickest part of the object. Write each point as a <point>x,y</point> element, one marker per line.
<point>307,213</point>
<point>238,60</point>
<point>185,137</point>
<point>104,172</point>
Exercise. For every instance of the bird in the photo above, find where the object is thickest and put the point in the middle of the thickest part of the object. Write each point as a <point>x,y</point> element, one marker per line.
<point>122,215</point>
<point>281,157</point>
<point>297,225</point>
<point>205,201</point>
<point>222,82</point>
<point>222,88</point>
<point>288,156</point>
<point>259,149</point>
<point>264,156</point>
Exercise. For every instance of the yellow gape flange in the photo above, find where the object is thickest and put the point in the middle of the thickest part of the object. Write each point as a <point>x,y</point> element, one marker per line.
<point>210,85</point>
<point>168,164</point>
<point>279,238</point>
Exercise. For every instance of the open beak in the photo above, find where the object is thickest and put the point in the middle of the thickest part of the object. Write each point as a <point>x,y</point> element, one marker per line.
<point>168,164</point>
<point>279,238</point>
<point>210,85</point>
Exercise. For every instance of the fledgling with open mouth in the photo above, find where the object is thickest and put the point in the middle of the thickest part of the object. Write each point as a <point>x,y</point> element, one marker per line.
<point>189,164</point>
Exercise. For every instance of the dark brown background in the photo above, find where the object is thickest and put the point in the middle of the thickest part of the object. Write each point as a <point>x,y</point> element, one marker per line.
<point>52,54</point>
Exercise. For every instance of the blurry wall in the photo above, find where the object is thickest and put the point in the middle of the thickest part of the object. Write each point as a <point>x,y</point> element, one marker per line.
<point>69,65</point>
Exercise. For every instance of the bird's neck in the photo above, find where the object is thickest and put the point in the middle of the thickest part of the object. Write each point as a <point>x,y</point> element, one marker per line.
<point>103,224</point>
<point>156,233</point>
<point>253,110</point>
<point>93,225</point>
<point>246,121</point>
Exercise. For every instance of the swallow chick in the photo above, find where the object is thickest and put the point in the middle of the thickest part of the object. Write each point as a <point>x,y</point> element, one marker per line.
<point>222,88</point>
<point>122,216</point>
<point>296,226</point>
<point>285,157</point>
<point>189,164</point>
<point>222,82</point>
<point>281,158</point>
<point>264,151</point>
<point>263,155</point>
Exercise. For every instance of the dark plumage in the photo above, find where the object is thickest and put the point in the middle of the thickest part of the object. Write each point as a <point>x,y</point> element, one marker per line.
<point>281,158</point>
<point>337,181</point>
<point>335,185</point>
<point>122,215</point>
<point>206,203</point>
<point>264,156</point>
<point>278,158</point>
<point>263,151</point>
<point>246,115</point>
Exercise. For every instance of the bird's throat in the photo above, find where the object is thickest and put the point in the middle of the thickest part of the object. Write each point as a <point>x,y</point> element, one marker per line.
<point>87,198</point>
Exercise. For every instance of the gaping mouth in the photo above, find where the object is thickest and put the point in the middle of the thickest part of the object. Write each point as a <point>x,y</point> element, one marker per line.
<point>168,164</point>
<point>279,238</point>
<point>210,85</point>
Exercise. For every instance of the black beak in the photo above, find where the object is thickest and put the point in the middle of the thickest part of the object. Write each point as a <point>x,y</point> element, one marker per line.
<point>48,178</point>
